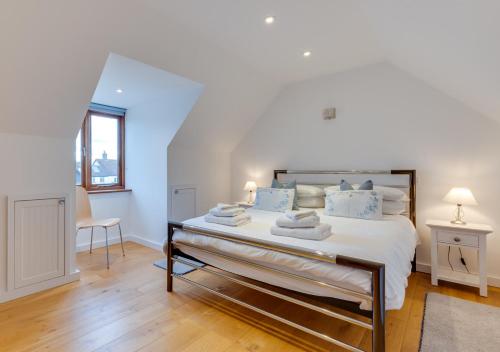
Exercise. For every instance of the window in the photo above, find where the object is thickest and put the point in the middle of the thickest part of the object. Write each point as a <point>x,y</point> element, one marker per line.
<point>100,152</point>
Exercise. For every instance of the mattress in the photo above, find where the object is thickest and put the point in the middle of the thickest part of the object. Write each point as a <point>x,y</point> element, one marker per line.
<point>391,240</point>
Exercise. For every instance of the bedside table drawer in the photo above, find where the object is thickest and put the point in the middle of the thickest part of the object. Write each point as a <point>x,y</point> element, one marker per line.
<point>457,238</point>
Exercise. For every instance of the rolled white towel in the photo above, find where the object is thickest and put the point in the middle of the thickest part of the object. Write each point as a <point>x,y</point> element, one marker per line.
<point>237,220</point>
<point>299,214</point>
<point>317,233</point>
<point>226,212</point>
<point>225,206</point>
<point>308,221</point>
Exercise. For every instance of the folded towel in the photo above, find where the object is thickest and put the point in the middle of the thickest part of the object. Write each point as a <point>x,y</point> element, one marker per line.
<point>317,233</point>
<point>226,212</point>
<point>225,206</point>
<point>308,221</point>
<point>299,214</point>
<point>237,220</point>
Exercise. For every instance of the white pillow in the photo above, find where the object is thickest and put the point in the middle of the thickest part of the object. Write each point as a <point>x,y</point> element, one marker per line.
<point>309,191</point>
<point>391,193</point>
<point>311,202</point>
<point>393,207</point>
<point>274,199</point>
<point>354,204</point>
<point>336,188</point>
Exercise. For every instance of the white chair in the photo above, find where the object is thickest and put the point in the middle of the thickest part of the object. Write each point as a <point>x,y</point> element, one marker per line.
<point>84,220</point>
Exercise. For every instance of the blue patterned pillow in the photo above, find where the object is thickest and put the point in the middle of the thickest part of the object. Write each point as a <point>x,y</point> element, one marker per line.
<point>354,204</point>
<point>274,199</point>
<point>289,185</point>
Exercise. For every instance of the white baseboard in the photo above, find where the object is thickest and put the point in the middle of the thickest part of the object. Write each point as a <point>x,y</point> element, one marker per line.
<point>98,244</point>
<point>426,268</point>
<point>113,240</point>
<point>38,287</point>
<point>147,243</point>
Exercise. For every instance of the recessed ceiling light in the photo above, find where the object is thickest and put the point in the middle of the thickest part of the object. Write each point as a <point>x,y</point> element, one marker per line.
<point>307,53</point>
<point>119,91</point>
<point>270,19</point>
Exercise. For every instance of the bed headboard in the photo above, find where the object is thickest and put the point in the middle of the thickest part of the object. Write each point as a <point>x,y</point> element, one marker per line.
<point>401,179</point>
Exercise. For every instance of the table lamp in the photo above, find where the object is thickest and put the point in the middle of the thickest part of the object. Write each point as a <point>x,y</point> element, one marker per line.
<point>250,186</point>
<point>460,196</point>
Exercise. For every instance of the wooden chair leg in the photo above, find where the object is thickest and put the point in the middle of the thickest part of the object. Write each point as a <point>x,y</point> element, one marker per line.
<point>107,247</point>
<point>91,238</point>
<point>121,238</point>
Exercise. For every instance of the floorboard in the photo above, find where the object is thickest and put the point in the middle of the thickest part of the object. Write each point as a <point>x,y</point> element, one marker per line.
<point>128,309</point>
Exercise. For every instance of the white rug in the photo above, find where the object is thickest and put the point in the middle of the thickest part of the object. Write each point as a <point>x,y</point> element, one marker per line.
<point>455,325</point>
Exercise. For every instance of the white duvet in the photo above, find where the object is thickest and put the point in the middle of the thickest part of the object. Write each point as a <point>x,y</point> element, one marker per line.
<point>391,241</point>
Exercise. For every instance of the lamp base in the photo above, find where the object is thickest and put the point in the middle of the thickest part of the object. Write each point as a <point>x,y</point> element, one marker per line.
<point>459,216</point>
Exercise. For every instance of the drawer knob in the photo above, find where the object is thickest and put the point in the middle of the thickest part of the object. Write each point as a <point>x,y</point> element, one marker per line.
<point>457,239</point>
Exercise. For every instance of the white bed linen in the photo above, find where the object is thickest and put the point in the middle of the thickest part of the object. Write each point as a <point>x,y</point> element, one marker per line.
<point>391,240</point>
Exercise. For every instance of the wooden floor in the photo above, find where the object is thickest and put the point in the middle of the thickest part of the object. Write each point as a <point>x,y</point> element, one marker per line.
<point>127,309</point>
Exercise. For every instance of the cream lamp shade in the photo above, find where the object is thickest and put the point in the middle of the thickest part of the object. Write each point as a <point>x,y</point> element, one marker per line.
<point>250,186</point>
<point>460,195</point>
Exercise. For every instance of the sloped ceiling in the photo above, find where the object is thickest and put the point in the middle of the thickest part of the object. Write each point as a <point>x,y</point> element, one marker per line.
<point>139,83</point>
<point>52,56</point>
<point>453,45</point>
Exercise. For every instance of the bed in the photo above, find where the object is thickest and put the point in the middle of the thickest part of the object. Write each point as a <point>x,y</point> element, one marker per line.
<point>363,267</point>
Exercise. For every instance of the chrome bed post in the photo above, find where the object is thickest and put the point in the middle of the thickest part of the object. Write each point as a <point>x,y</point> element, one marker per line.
<point>168,250</point>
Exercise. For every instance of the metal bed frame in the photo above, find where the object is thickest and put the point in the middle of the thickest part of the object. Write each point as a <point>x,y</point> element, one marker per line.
<point>377,270</point>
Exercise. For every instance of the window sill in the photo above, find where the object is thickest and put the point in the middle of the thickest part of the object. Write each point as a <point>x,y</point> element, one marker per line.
<point>99,191</point>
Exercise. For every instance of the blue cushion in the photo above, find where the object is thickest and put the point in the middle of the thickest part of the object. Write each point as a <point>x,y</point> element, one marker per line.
<point>345,186</point>
<point>289,185</point>
<point>366,186</point>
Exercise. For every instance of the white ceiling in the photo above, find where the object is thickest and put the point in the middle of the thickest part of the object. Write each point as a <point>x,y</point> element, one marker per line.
<point>454,45</point>
<point>53,54</point>
<point>335,31</point>
<point>139,82</point>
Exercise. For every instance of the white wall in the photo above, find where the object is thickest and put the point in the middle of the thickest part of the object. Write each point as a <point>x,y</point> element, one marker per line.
<point>157,103</point>
<point>386,119</point>
<point>45,93</point>
<point>32,166</point>
<point>204,168</point>
<point>150,128</point>
<point>106,205</point>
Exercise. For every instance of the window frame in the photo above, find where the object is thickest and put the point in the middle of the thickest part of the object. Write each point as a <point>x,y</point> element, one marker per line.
<point>86,153</point>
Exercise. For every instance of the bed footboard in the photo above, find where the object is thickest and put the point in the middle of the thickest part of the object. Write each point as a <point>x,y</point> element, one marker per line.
<point>377,295</point>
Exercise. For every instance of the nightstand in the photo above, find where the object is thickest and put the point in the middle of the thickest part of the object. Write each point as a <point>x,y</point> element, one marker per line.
<point>465,236</point>
<point>245,205</point>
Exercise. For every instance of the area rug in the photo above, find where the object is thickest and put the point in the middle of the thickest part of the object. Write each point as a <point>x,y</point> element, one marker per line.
<point>179,268</point>
<point>455,325</point>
